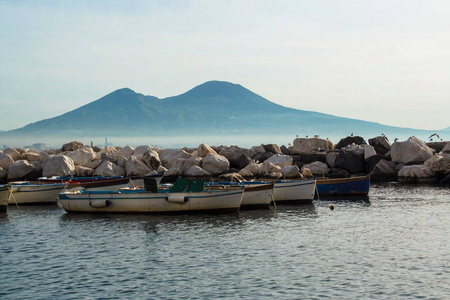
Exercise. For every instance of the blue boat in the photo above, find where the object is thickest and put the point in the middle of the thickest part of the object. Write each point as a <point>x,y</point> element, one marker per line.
<point>353,186</point>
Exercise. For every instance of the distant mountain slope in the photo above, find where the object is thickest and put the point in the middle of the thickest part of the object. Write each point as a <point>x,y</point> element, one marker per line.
<point>212,108</point>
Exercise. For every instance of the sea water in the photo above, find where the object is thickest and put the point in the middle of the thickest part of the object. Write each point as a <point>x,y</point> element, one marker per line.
<point>394,245</point>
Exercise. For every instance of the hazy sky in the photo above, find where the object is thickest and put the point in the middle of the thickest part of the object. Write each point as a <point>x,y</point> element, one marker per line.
<point>382,61</point>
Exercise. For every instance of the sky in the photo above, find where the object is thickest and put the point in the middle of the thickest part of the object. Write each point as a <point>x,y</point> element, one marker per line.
<point>381,61</point>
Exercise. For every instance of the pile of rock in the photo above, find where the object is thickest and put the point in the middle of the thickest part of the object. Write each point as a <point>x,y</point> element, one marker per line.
<point>409,161</point>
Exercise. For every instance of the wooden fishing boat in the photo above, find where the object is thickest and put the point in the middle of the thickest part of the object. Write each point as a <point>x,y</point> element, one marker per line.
<point>353,186</point>
<point>257,196</point>
<point>24,192</point>
<point>112,184</point>
<point>184,196</point>
<point>4,195</point>
<point>100,182</point>
<point>284,191</point>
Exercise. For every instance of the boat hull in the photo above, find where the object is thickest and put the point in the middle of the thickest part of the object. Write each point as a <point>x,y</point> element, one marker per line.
<point>35,193</point>
<point>147,202</point>
<point>285,191</point>
<point>4,195</point>
<point>353,186</point>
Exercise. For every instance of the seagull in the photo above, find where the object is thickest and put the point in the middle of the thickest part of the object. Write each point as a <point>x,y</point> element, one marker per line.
<point>316,136</point>
<point>351,134</point>
<point>296,135</point>
<point>396,139</point>
<point>434,134</point>
<point>306,136</point>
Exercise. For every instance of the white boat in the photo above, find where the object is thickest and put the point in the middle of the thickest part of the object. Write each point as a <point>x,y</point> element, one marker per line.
<point>257,196</point>
<point>142,201</point>
<point>24,192</point>
<point>4,195</point>
<point>284,191</point>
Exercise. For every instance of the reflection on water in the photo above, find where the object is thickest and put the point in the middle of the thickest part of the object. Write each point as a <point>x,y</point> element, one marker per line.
<point>394,246</point>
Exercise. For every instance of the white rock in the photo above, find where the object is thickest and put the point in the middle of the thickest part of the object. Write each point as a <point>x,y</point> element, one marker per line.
<point>161,169</point>
<point>306,172</point>
<point>280,160</point>
<point>126,151</point>
<point>121,161</point>
<point>109,150</point>
<point>308,145</point>
<point>15,155</point>
<point>269,168</point>
<point>19,169</point>
<point>5,161</point>
<point>203,150</point>
<point>432,159</point>
<point>215,164</point>
<point>142,150</point>
<point>82,156</point>
<point>43,156</point>
<point>419,171</point>
<point>411,151</point>
<point>168,157</point>
<point>291,171</point>
<point>58,165</point>
<point>136,167</point>
<point>108,169</point>
<point>252,169</point>
<point>196,171</point>
<point>317,168</point>
<point>189,162</point>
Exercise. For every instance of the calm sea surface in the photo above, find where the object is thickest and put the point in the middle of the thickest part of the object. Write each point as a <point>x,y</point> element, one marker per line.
<point>395,245</point>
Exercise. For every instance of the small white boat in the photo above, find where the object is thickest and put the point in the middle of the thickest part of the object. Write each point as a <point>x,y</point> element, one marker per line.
<point>257,196</point>
<point>24,192</point>
<point>4,195</point>
<point>149,200</point>
<point>292,191</point>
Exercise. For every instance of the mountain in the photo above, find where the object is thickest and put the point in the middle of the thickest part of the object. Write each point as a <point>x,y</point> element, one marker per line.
<point>214,108</point>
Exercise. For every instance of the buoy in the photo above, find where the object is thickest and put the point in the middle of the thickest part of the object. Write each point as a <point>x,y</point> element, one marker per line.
<point>332,207</point>
<point>100,203</point>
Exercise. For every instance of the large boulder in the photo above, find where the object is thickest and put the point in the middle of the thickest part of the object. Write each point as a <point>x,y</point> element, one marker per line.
<point>168,157</point>
<point>136,167</point>
<point>233,154</point>
<point>381,144</point>
<point>215,164</point>
<point>203,150</point>
<point>317,168</point>
<point>369,151</point>
<point>280,160</point>
<point>351,160</point>
<point>437,146</point>
<point>357,140</point>
<point>261,157</point>
<point>58,165</point>
<point>151,159</point>
<point>251,170</point>
<point>72,146</point>
<point>142,150</point>
<point>19,170</point>
<point>308,145</point>
<point>243,161</point>
<point>272,148</point>
<point>15,155</point>
<point>384,171</point>
<point>108,169</point>
<point>446,149</point>
<point>5,161</point>
<point>290,172</point>
<point>412,151</point>
<point>196,171</point>
<point>171,173</point>
<point>415,171</point>
<point>82,156</point>
<point>81,171</point>
<point>372,161</point>
<point>268,168</point>
<point>441,165</point>
<point>126,151</point>
<point>330,158</point>
<point>93,164</point>
<point>32,156</point>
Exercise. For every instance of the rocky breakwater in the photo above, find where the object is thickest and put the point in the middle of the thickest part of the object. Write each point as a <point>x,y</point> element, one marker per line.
<point>408,161</point>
